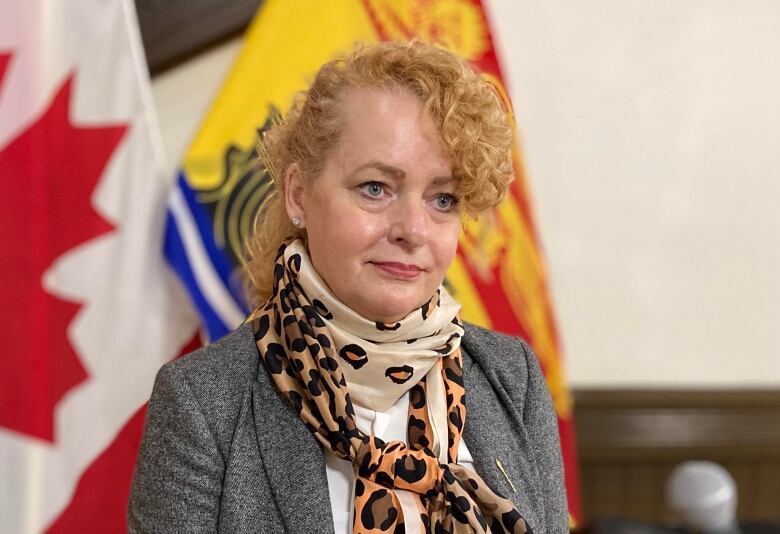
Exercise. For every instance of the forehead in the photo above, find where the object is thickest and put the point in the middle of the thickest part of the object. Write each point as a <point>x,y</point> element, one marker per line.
<point>390,125</point>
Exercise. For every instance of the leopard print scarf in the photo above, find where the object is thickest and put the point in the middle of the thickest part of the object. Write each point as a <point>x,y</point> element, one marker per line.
<point>317,350</point>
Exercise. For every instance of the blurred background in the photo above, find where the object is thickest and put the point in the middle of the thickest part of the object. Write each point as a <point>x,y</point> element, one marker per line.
<point>650,134</point>
<point>649,157</point>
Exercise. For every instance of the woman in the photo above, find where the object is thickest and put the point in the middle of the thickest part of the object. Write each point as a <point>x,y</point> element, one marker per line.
<point>354,397</point>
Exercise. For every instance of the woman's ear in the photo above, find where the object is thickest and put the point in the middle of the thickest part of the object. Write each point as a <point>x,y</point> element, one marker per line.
<point>294,193</point>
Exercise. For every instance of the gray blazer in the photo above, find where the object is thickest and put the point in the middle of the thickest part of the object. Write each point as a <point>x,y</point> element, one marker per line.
<point>223,452</point>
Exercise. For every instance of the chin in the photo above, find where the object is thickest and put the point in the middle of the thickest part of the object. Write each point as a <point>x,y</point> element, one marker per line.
<point>391,309</point>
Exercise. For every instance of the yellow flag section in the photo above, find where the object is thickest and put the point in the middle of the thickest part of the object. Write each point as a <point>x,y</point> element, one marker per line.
<point>498,275</point>
<point>284,47</point>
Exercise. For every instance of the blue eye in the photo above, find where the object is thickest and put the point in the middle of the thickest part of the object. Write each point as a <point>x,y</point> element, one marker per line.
<point>373,189</point>
<point>446,202</point>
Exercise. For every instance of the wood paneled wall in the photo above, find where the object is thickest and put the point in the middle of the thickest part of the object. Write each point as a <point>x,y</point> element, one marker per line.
<point>629,441</point>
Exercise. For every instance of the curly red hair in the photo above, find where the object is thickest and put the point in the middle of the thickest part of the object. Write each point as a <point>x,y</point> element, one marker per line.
<point>466,109</point>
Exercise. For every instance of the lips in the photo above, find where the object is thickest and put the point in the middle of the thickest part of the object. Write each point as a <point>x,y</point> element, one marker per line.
<point>403,271</point>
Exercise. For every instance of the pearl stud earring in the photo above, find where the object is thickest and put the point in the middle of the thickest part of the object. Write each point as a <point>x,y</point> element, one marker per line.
<point>296,221</point>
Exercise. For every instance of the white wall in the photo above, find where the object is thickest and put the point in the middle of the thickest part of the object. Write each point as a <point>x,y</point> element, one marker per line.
<point>652,135</point>
<point>651,132</point>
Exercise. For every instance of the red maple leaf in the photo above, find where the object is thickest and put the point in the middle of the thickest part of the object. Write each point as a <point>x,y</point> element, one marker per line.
<point>48,174</point>
<point>4,60</point>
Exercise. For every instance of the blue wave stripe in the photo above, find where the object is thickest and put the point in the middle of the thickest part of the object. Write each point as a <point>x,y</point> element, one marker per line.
<point>177,258</point>
<point>219,258</point>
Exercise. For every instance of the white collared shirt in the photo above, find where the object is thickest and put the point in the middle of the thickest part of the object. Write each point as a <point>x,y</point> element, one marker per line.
<point>388,426</point>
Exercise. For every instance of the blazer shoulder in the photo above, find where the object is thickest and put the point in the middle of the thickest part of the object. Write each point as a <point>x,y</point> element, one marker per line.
<point>504,359</point>
<point>490,348</point>
<point>223,361</point>
<point>219,376</point>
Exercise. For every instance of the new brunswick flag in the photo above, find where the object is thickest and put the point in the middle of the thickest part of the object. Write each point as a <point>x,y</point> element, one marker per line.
<point>498,274</point>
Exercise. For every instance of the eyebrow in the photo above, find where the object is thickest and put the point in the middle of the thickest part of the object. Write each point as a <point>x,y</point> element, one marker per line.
<point>396,172</point>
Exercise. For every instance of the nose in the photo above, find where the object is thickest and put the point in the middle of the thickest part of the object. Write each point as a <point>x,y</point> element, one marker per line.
<point>409,224</point>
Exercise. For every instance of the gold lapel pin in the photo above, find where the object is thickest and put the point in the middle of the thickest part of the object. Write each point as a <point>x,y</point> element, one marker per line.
<point>503,472</point>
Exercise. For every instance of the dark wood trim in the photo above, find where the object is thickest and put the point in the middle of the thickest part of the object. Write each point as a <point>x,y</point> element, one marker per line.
<point>675,398</point>
<point>635,421</point>
<point>175,30</point>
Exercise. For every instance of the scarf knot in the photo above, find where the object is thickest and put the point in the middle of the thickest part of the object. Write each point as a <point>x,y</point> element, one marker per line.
<point>394,465</point>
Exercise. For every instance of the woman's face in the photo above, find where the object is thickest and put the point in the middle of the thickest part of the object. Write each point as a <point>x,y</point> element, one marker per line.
<point>382,219</point>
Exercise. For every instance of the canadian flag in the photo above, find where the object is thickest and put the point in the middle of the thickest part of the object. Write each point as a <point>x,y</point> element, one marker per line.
<point>89,310</point>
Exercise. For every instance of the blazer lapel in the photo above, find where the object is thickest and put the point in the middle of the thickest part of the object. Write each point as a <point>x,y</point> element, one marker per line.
<point>293,461</point>
<point>484,448</point>
<point>492,434</point>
